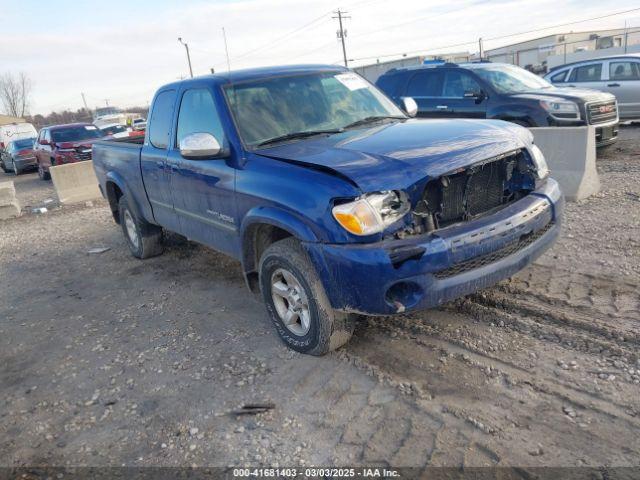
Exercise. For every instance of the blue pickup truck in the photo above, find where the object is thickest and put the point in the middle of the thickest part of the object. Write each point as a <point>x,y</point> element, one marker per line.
<point>336,202</point>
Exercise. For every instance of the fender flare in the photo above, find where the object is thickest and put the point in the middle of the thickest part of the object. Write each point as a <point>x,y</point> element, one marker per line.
<point>276,217</point>
<point>116,179</point>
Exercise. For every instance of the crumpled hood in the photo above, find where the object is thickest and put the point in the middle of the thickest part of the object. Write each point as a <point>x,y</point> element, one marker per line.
<point>397,155</point>
<point>575,94</point>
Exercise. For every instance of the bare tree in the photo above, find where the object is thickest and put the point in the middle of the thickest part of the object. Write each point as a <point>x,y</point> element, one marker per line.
<point>15,93</point>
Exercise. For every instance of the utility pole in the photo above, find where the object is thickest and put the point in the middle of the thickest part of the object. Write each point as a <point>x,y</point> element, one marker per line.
<point>342,33</point>
<point>106,102</point>
<point>226,49</point>
<point>188,56</point>
<point>480,45</point>
<point>84,100</point>
<point>626,36</point>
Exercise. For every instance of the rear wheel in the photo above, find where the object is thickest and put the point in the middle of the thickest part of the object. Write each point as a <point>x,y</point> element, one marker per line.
<point>297,303</point>
<point>143,238</point>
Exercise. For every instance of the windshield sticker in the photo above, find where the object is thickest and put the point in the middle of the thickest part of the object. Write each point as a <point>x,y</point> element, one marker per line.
<point>90,127</point>
<point>351,81</point>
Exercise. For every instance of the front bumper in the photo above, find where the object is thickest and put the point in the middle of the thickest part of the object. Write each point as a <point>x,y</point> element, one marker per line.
<point>606,135</point>
<point>447,264</point>
<point>25,162</point>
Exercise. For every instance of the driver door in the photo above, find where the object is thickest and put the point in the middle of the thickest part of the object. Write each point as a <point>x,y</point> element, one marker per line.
<point>204,189</point>
<point>463,95</point>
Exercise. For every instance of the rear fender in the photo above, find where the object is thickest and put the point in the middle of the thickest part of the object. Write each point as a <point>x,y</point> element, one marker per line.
<point>116,178</point>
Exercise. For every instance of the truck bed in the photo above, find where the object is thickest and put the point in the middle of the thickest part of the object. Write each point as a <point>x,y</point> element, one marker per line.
<point>117,163</point>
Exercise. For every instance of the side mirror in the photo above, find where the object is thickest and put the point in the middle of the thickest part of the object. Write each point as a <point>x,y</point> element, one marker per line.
<point>410,106</point>
<point>200,146</point>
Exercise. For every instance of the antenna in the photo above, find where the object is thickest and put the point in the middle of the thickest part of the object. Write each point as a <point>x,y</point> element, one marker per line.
<point>226,49</point>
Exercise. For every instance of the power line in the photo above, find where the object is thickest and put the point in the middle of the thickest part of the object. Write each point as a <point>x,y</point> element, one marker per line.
<point>563,24</point>
<point>494,38</point>
<point>286,35</point>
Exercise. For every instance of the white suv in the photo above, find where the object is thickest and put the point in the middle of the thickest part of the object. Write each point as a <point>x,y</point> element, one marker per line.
<point>619,75</point>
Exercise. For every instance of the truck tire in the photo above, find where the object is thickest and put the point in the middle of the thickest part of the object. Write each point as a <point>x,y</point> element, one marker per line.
<point>143,238</point>
<point>297,303</point>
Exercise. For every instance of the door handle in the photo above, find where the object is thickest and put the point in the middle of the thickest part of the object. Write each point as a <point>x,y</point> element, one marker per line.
<point>613,84</point>
<point>442,107</point>
<point>160,163</point>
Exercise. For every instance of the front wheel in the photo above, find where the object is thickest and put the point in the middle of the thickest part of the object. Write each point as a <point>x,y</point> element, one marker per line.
<point>44,175</point>
<point>297,303</point>
<point>143,238</point>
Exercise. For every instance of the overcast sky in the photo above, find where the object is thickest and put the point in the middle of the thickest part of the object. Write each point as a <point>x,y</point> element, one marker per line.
<point>123,50</point>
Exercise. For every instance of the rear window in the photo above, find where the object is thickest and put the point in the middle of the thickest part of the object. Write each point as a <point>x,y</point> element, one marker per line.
<point>75,134</point>
<point>161,118</point>
<point>113,129</point>
<point>624,71</point>
<point>425,84</point>
<point>587,73</point>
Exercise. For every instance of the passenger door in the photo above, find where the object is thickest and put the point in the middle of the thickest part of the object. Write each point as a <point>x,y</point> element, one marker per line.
<point>587,76</point>
<point>425,87</point>
<point>624,82</point>
<point>204,189</point>
<point>463,96</point>
<point>153,160</point>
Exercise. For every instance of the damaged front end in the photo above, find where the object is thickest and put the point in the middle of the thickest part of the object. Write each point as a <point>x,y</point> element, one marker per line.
<point>471,192</point>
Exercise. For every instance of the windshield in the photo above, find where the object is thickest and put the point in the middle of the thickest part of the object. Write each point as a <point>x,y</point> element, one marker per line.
<point>508,79</point>
<point>276,107</point>
<point>75,134</point>
<point>21,144</point>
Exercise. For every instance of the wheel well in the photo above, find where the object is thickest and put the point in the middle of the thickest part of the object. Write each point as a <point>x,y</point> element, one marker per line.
<point>256,240</point>
<point>113,195</point>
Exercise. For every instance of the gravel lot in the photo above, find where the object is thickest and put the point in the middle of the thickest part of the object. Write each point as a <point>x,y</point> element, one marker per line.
<point>108,360</point>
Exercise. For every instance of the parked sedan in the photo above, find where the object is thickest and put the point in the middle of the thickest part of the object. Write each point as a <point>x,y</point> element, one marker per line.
<point>618,75</point>
<point>18,156</point>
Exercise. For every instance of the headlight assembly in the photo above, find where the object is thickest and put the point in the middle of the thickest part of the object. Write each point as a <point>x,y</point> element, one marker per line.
<point>539,162</point>
<point>373,212</point>
<point>562,109</point>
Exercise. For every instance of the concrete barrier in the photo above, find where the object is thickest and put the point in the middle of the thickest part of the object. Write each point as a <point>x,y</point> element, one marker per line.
<point>75,182</point>
<point>9,205</point>
<point>571,155</point>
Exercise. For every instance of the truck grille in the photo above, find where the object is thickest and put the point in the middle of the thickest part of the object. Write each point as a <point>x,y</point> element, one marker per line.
<point>473,191</point>
<point>83,154</point>
<point>602,112</point>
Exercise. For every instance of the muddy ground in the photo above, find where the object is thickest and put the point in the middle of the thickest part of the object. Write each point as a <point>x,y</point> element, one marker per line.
<point>109,360</point>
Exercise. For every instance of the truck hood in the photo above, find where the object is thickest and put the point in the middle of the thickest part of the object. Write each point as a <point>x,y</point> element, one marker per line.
<point>575,94</point>
<point>399,154</point>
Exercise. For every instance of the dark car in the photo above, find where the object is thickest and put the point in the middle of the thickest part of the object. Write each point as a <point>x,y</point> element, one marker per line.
<point>502,92</point>
<point>60,144</point>
<point>18,156</point>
